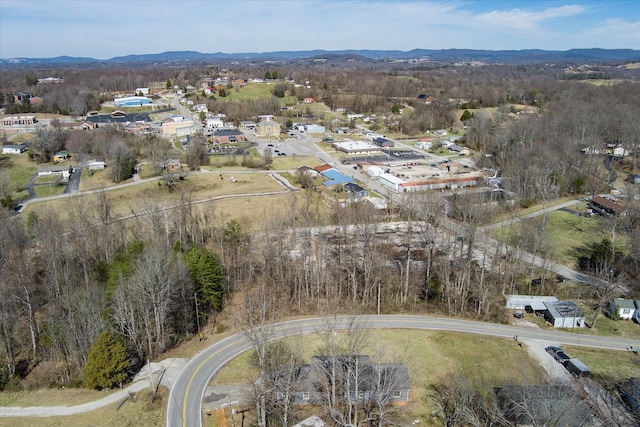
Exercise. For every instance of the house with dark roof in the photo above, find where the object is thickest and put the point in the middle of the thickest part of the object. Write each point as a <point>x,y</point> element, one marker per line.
<point>544,405</point>
<point>355,191</point>
<point>606,207</point>
<point>634,178</point>
<point>354,377</point>
<point>222,136</point>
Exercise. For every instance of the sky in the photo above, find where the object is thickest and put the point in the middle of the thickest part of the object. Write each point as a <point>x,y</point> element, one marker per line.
<point>104,29</point>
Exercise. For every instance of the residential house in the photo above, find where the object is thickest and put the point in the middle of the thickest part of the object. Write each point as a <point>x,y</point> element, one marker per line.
<point>64,171</point>
<point>458,149</point>
<point>22,97</point>
<point>309,100</point>
<point>606,207</point>
<point>623,308</point>
<point>355,191</point>
<point>354,377</point>
<point>634,178</point>
<point>172,165</point>
<point>61,156</point>
<point>424,144</point>
<point>14,149</point>
<point>544,405</point>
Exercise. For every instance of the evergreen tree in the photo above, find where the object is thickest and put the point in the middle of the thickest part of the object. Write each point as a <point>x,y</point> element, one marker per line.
<point>206,273</point>
<point>107,363</point>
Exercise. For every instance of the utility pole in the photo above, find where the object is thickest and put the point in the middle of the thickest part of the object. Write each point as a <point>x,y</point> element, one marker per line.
<point>195,297</point>
<point>378,298</point>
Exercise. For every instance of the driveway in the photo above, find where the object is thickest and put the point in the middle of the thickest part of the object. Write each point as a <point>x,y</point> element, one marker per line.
<point>74,181</point>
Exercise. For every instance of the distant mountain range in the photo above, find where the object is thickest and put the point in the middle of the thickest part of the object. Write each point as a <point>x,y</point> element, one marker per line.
<point>443,56</point>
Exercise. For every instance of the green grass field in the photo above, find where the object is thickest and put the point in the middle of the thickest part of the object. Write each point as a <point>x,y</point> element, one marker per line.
<point>567,232</point>
<point>49,190</point>
<point>18,169</point>
<point>254,91</point>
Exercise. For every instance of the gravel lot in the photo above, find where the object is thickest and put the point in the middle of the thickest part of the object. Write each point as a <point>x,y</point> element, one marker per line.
<point>555,371</point>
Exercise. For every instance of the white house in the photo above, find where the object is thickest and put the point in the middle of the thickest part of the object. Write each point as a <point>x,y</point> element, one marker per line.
<point>13,149</point>
<point>623,308</point>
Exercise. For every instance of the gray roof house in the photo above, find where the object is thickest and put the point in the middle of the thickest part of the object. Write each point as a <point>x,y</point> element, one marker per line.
<point>564,314</point>
<point>529,302</point>
<point>548,405</point>
<point>355,191</point>
<point>356,377</point>
<point>623,308</point>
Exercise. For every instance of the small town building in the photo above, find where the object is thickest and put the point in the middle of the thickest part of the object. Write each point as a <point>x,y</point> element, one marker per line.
<point>178,127</point>
<point>268,128</point>
<point>18,120</point>
<point>223,136</point>
<point>356,147</point>
<point>391,181</point>
<point>564,314</point>
<point>248,125</point>
<point>383,142</point>
<point>374,171</point>
<point>529,303</point>
<point>131,101</point>
<point>214,123</point>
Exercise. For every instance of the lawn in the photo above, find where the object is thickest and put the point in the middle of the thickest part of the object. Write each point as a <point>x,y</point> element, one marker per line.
<point>567,232</point>
<point>49,190</point>
<point>198,186</point>
<point>92,180</point>
<point>18,169</point>
<point>254,91</point>
<point>293,162</point>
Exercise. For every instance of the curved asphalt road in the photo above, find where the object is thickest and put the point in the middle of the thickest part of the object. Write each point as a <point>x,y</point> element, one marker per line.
<point>187,392</point>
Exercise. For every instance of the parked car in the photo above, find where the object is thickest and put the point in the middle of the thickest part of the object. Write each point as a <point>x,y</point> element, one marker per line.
<point>558,354</point>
